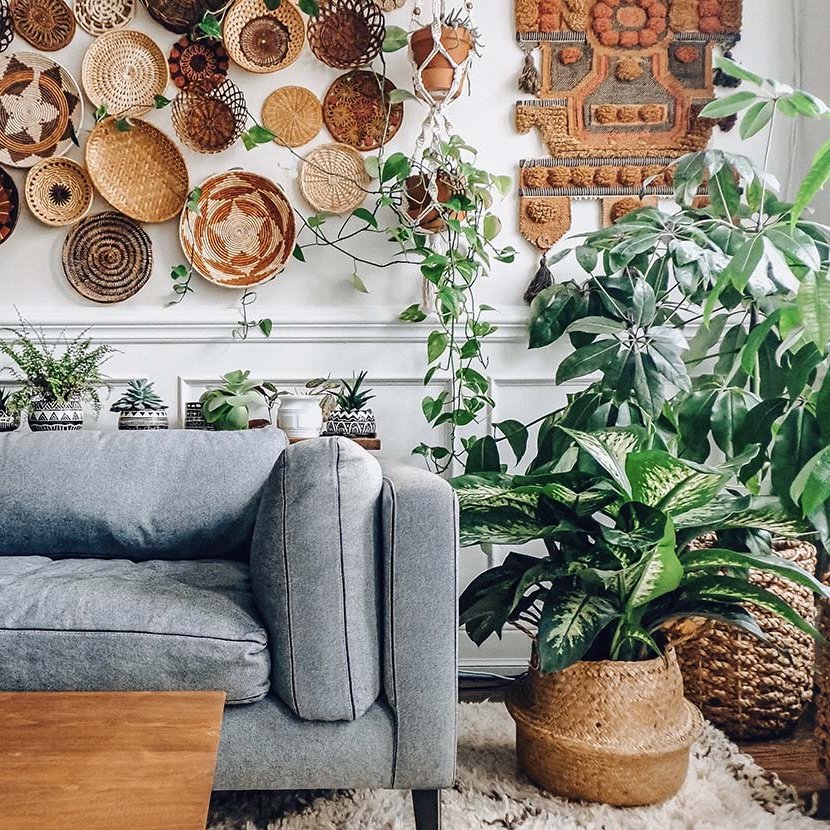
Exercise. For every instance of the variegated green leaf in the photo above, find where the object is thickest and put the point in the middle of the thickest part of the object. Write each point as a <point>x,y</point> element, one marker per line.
<point>609,449</point>
<point>764,513</point>
<point>660,572</point>
<point>485,497</point>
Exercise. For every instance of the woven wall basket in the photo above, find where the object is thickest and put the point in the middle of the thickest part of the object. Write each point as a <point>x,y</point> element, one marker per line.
<point>9,205</point>
<point>101,16</point>
<point>124,70</point>
<point>48,25</point>
<point>244,231</point>
<point>6,27</point>
<point>294,114</point>
<point>140,172</point>
<point>333,178</point>
<point>390,5</point>
<point>197,64</point>
<point>347,33</point>
<point>823,685</point>
<point>613,732</point>
<point>212,121</point>
<point>107,258</point>
<point>180,16</point>
<point>260,39</point>
<point>748,688</point>
<point>40,109</point>
<point>58,191</point>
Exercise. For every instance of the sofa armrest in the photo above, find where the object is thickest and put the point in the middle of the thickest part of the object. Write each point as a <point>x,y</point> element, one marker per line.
<point>420,554</point>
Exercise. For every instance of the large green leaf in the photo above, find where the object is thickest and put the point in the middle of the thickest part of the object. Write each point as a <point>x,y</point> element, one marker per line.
<point>813,183</point>
<point>733,615</point>
<point>728,415</point>
<point>814,306</point>
<point>552,311</point>
<point>571,621</point>
<point>587,360</point>
<point>483,456</point>
<point>759,513</point>
<point>797,441</point>
<point>659,572</point>
<point>497,513</point>
<point>729,105</point>
<point>515,433</point>
<point>609,448</point>
<point>811,488</point>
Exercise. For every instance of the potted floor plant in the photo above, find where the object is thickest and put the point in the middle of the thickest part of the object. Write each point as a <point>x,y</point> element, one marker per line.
<point>9,421</point>
<point>55,379</point>
<point>457,39</point>
<point>228,407</point>
<point>140,408</point>
<point>351,416</point>
<point>600,714</point>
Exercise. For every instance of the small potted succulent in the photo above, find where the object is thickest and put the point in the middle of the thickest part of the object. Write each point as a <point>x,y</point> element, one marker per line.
<point>458,39</point>
<point>351,417</point>
<point>228,407</point>
<point>140,407</point>
<point>55,383</point>
<point>9,421</point>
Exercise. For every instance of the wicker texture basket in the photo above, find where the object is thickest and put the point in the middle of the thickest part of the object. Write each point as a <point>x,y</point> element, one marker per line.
<point>140,172</point>
<point>390,5</point>
<point>333,179</point>
<point>357,110</point>
<point>107,258</point>
<point>613,732</point>
<point>243,233</point>
<point>210,122</point>
<point>6,26</point>
<point>823,685</point>
<point>347,33</point>
<point>748,688</point>
<point>58,191</point>
<point>40,109</point>
<point>9,205</point>
<point>180,16</point>
<point>124,70</point>
<point>263,40</point>
<point>197,64</point>
<point>48,25</point>
<point>294,114</point>
<point>97,17</point>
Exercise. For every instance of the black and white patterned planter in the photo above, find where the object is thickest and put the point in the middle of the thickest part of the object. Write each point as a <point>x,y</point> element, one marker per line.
<point>9,422</point>
<point>193,418</point>
<point>132,420</point>
<point>360,424</point>
<point>50,416</point>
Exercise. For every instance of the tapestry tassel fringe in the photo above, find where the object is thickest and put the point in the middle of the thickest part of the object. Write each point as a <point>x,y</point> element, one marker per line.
<point>529,81</point>
<point>542,279</point>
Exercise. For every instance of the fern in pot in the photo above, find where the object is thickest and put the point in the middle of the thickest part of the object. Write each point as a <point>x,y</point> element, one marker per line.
<point>601,714</point>
<point>140,408</point>
<point>351,416</point>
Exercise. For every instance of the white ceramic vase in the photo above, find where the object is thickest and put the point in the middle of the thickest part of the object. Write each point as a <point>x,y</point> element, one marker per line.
<point>300,416</point>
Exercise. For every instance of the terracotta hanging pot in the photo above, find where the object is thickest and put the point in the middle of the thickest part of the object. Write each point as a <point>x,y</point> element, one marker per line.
<point>420,204</point>
<point>612,732</point>
<point>437,71</point>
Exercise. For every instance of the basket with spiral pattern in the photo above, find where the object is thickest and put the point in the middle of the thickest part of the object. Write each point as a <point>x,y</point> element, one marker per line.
<point>48,25</point>
<point>6,27</point>
<point>209,122</point>
<point>58,191</point>
<point>180,16</point>
<point>140,172</point>
<point>124,70</point>
<point>107,258</point>
<point>260,39</point>
<point>749,688</point>
<point>197,64</point>
<point>347,33</point>
<point>293,114</point>
<point>333,178</point>
<point>97,17</point>
<point>243,233</point>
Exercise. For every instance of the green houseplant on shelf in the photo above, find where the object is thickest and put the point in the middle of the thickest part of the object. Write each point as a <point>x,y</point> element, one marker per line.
<point>228,407</point>
<point>351,416</point>
<point>140,408</point>
<point>55,379</point>
<point>619,527</point>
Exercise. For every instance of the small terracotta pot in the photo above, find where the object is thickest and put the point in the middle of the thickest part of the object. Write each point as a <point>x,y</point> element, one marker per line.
<point>437,74</point>
<point>419,200</point>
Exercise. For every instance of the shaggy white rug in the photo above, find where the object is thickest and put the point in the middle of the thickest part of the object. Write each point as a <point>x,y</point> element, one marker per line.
<point>725,790</point>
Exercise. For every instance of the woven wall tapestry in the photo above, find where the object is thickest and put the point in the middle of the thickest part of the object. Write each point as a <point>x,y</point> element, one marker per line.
<point>617,86</point>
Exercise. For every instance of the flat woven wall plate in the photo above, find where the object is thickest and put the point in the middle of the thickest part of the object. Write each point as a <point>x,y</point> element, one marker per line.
<point>262,40</point>
<point>180,16</point>
<point>197,64</point>
<point>40,109</point>
<point>124,70</point>
<point>390,5</point>
<point>244,231</point>
<point>97,17</point>
<point>58,191</point>
<point>347,33</point>
<point>48,25</point>
<point>9,205</point>
<point>357,110</point>
<point>107,258</point>
<point>294,114</point>
<point>212,121</point>
<point>6,27</point>
<point>333,178</point>
<point>140,172</point>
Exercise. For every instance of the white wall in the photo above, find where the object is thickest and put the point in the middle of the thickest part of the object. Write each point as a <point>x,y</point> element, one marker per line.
<point>322,325</point>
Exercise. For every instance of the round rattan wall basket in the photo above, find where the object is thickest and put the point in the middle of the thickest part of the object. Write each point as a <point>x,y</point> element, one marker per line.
<point>107,258</point>
<point>333,178</point>
<point>210,122</point>
<point>293,114</point>
<point>6,27</point>
<point>58,191</point>
<point>197,64</point>
<point>97,17</point>
<point>746,687</point>
<point>9,205</point>
<point>124,70</point>
<point>243,233</point>
<point>347,33</point>
<point>180,16</point>
<point>260,39</point>
<point>48,25</point>
<point>140,173</point>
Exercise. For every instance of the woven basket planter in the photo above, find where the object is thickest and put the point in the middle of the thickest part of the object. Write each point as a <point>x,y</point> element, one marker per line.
<point>613,732</point>
<point>746,687</point>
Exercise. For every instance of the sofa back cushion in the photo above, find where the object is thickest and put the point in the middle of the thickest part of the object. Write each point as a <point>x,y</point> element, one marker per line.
<point>180,494</point>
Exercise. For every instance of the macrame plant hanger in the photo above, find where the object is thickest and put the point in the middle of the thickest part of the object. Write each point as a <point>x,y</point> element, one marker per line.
<point>436,127</point>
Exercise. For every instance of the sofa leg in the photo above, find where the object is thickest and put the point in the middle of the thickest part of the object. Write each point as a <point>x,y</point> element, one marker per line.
<point>427,806</point>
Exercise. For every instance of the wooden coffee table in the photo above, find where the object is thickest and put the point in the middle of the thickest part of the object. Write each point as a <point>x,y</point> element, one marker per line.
<point>105,760</point>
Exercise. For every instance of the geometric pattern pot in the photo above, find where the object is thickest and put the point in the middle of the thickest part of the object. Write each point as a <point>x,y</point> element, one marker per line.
<point>132,420</point>
<point>50,416</point>
<point>360,424</point>
<point>9,422</point>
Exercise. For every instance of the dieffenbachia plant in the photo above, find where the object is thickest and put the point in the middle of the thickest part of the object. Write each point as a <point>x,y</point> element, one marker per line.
<point>619,529</point>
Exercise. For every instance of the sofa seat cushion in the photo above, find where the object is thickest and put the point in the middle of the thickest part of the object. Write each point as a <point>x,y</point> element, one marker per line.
<point>116,625</point>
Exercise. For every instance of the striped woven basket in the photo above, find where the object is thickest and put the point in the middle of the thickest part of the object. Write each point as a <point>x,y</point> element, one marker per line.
<point>823,686</point>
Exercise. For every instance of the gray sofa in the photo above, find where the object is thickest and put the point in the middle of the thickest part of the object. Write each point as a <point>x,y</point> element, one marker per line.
<point>312,584</point>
